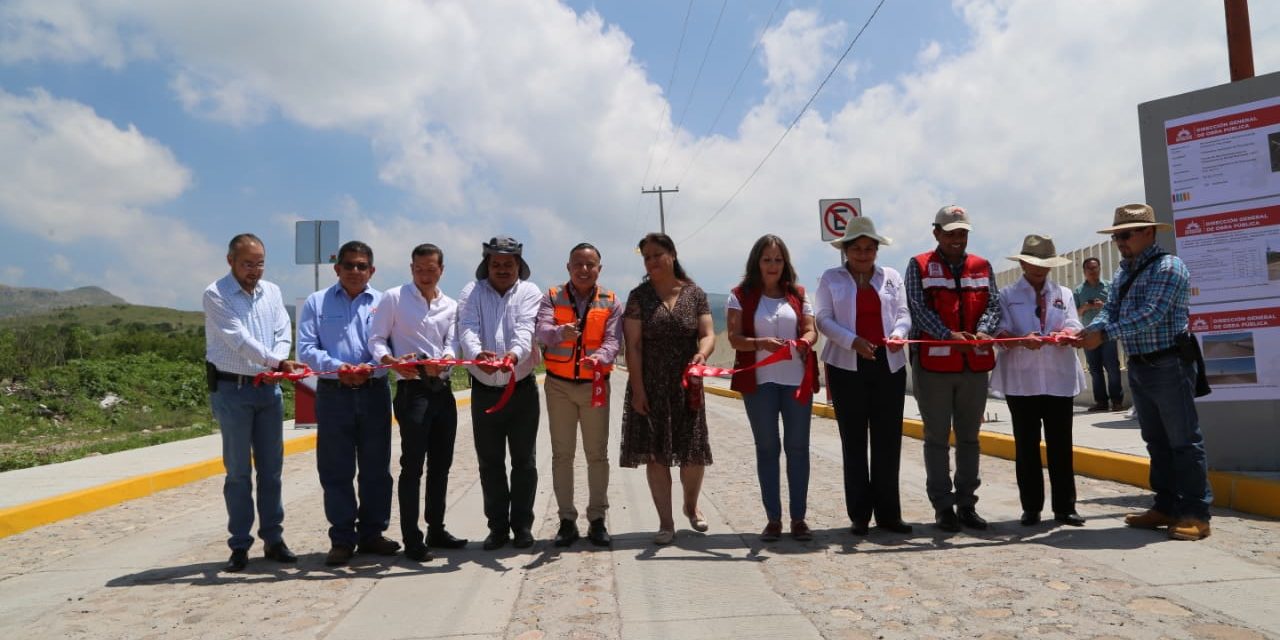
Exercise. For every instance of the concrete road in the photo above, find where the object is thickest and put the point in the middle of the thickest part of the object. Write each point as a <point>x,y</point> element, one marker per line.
<point>149,568</point>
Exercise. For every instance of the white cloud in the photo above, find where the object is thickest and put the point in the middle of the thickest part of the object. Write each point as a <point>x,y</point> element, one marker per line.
<point>60,264</point>
<point>74,178</point>
<point>520,117</point>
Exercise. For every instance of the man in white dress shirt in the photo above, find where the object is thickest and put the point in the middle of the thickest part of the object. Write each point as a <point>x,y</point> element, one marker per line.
<point>496,319</point>
<point>417,321</point>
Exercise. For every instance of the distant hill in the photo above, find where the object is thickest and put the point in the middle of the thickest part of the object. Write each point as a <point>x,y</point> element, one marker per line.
<point>111,315</point>
<point>15,301</point>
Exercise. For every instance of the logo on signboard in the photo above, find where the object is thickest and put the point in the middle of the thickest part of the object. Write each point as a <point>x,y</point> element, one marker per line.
<point>1200,325</point>
<point>1192,228</point>
<point>1183,135</point>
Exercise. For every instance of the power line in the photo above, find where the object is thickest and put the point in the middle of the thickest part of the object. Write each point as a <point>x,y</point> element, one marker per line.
<point>789,126</point>
<point>693,89</point>
<point>657,133</point>
<point>700,146</point>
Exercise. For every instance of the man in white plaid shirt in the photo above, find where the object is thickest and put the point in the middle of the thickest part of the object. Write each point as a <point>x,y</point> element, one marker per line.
<point>247,331</point>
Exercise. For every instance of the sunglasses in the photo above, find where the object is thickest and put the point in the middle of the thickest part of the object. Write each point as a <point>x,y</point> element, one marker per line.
<point>1123,235</point>
<point>356,266</point>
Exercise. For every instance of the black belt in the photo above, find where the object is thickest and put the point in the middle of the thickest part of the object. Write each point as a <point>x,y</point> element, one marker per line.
<point>236,378</point>
<point>334,383</point>
<point>1151,357</point>
<point>572,380</point>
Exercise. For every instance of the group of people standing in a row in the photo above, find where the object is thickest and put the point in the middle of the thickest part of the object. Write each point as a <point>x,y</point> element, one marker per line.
<point>947,304</point>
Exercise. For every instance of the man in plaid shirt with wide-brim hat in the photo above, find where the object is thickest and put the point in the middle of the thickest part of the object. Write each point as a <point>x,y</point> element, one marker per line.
<point>1148,312</point>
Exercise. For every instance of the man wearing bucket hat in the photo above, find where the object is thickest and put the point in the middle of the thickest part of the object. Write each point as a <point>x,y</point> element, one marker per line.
<point>1148,313</point>
<point>1040,381</point>
<point>952,296</point>
<point>496,317</point>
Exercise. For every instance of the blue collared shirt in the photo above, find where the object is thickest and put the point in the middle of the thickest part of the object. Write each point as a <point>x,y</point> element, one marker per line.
<point>1155,309</point>
<point>333,329</point>
<point>245,333</point>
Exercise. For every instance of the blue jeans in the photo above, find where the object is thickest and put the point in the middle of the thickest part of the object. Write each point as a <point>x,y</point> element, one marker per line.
<point>354,432</point>
<point>251,421</point>
<point>1163,393</point>
<point>1105,358</point>
<point>763,408</point>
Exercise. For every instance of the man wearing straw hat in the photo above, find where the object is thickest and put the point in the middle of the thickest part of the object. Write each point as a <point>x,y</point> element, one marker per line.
<point>1148,313</point>
<point>952,296</point>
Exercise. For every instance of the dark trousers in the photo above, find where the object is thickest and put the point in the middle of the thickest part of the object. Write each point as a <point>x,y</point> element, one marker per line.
<point>869,402</point>
<point>1028,414</point>
<point>1106,358</point>
<point>428,417</point>
<point>514,428</point>
<point>353,431</point>
<point>1164,395</point>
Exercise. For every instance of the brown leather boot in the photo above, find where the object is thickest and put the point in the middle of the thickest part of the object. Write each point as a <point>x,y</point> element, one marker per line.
<point>1149,519</point>
<point>1189,529</point>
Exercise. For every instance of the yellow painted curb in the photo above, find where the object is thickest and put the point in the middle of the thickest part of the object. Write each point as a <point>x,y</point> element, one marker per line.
<point>1231,490</point>
<point>41,512</point>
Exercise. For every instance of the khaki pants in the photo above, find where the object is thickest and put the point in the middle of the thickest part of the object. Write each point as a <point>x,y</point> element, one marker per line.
<point>568,404</point>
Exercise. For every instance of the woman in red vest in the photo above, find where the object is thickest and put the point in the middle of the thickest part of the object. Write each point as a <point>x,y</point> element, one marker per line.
<point>765,311</point>
<point>859,305</point>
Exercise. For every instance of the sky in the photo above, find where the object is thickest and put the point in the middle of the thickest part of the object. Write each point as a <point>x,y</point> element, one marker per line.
<point>138,136</point>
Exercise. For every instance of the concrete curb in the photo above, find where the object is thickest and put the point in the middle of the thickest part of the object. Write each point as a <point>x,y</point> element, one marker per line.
<point>60,507</point>
<point>1230,490</point>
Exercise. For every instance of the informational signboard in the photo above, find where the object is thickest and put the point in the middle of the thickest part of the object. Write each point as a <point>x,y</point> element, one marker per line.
<point>834,214</point>
<point>1224,199</point>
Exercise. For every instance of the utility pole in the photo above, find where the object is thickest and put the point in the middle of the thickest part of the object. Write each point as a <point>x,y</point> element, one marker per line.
<point>662,213</point>
<point>1239,40</point>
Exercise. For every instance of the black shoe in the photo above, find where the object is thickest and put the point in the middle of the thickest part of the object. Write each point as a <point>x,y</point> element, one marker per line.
<point>946,520</point>
<point>969,517</point>
<point>280,553</point>
<point>1072,519</point>
<point>496,540</point>
<point>1097,407</point>
<point>418,552</point>
<point>1029,518</point>
<point>523,539</point>
<point>859,528</point>
<point>597,534</point>
<point>565,536</point>
<point>441,539</point>
<point>379,546</point>
<point>238,561</point>
<point>896,526</point>
<point>339,554</point>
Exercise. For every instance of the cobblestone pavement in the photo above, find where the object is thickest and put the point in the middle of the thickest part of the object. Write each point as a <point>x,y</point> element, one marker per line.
<point>149,568</point>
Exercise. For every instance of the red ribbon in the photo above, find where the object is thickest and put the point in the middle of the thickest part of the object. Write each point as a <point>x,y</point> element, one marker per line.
<point>507,364</point>
<point>784,353</point>
<point>1053,338</point>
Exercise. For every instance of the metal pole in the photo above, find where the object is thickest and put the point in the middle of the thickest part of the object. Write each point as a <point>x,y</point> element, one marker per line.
<point>662,212</point>
<point>1239,40</point>
<point>317,265</point>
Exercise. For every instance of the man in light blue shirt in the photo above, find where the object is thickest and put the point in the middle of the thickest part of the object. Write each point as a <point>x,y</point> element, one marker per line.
<point>246,331</point>
<point>353,408</point>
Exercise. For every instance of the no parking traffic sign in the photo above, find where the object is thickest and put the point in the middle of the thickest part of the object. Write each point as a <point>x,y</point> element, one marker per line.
<point>835,214</point>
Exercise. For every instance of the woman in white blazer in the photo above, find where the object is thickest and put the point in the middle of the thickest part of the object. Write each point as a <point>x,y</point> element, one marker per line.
<point>859,305</point>
<point>1040,380</point>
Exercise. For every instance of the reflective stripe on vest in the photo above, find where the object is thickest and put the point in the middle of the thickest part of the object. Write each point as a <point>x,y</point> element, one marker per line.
<point>562,358</point>
<point>959,309</point>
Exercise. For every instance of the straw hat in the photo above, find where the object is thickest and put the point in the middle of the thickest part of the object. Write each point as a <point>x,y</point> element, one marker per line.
<point>1039,251</point>
<point>857,228</point>
<point>1134,216</point>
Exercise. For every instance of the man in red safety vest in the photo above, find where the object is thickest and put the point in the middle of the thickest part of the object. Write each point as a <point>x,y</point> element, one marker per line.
<point>579,326</point>
<point>952,296</point>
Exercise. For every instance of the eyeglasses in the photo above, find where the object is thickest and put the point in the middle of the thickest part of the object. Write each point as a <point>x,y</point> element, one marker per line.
<point>1122,235</point>
<point>356,266</point>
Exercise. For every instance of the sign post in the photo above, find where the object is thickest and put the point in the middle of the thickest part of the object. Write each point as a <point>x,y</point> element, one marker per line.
<point>316,244</point>
<point>833,215</point>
